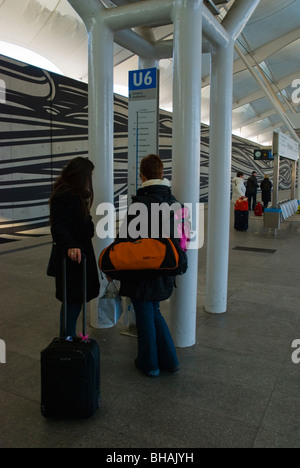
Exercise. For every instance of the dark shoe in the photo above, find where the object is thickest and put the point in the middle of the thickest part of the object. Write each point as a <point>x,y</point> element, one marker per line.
<point>174,369</point>
<point>152,374</point>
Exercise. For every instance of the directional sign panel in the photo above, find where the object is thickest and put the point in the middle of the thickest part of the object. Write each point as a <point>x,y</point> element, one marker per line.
<point>287,147</point>
<point>143,111</point>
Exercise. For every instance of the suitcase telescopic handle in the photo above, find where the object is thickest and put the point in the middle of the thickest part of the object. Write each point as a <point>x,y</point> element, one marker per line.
<point>84,294</point>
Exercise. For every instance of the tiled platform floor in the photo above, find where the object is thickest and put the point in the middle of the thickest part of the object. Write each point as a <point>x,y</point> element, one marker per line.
<point>237,387</point>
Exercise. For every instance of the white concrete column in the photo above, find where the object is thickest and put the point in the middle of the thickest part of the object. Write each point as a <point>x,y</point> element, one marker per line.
<point>100,115</point>
<point>220,158</point>
<point>101,134</point>
<point>147,63</point>
<point>101,119</point>
<point>187,18</point>
<point>100,102</point>
<point>219,180</point>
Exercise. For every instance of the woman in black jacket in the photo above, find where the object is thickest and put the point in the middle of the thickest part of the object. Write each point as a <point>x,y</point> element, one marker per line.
<point>72,230</point>
<point>266,188</point>
<point>156,350</point>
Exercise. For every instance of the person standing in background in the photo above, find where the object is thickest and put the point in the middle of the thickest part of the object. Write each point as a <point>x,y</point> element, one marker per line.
<point>238,187</point>
<point>251,190</point>
<point>266,188</point>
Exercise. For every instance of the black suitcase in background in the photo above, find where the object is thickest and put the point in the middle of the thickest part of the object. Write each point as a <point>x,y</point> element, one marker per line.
<point>70,371</point>
<point>241,219</point>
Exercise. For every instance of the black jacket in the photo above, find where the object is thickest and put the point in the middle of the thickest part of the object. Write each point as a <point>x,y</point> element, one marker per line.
<point>70,229</point>
<point>266,187</point>
<point>155,288</point>
<point>252,186</point>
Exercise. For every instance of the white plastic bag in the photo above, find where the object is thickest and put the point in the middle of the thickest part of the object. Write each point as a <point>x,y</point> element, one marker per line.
<point>110,307</point>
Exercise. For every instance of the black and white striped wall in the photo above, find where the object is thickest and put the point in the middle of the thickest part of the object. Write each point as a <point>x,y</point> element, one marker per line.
<point>44,123</point>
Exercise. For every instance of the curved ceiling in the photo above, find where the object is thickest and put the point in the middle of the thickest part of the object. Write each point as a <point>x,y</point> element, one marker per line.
<point>270,42</point>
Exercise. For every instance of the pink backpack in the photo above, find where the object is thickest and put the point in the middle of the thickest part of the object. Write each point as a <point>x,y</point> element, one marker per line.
<point>183,227</point>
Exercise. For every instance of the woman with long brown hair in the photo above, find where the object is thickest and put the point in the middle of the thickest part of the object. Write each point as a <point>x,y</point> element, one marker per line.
<point>72,231</point>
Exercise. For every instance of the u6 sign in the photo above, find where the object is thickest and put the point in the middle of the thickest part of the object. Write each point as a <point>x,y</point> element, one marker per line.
<point>142,79</point>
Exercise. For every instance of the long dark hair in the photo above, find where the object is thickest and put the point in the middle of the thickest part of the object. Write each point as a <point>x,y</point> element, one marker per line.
<point>77,177</point>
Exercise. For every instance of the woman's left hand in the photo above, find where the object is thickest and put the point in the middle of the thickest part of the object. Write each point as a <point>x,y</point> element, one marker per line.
<point>75,255</point>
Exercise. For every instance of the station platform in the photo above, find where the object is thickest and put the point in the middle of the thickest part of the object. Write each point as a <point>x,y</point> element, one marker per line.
<point>237,386</point>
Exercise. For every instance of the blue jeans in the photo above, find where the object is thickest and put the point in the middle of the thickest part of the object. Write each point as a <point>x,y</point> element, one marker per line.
<point>156,349</point>
<point>73,311</point>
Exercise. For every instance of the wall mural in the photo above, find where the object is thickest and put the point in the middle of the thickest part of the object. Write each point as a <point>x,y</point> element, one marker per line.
<point>44,123</point>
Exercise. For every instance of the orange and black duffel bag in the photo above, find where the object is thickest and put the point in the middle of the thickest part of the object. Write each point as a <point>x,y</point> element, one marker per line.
<point>142,258</point>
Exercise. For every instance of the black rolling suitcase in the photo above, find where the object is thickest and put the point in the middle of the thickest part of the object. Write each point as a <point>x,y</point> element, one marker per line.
<point>70,371</point>
<point>241,214</point>
<point>241,220</point>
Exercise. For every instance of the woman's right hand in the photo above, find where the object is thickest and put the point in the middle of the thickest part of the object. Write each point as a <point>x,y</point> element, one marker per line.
<point>75,255</point>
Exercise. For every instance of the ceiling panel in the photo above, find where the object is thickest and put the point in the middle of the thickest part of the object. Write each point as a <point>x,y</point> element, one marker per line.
<point>271,39</point>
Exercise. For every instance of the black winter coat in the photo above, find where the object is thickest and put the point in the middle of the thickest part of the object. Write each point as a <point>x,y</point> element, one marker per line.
<point>155,288</point>
<point>252,186</point>
<point>266,188</point>
<point>70,229</point>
